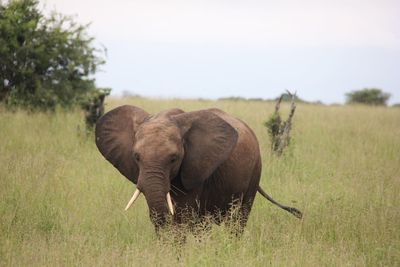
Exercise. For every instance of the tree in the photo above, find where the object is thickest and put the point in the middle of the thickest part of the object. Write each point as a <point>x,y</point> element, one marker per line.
<point>278,130</point>
<point>369,96</point>
<point>45,61</point>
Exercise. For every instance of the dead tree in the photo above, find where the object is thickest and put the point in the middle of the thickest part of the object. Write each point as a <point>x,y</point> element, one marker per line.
<point>278,130</point>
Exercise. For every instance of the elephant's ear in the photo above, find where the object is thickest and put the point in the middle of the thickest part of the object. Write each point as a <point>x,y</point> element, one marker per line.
<point>115,134</point>
<point>209,141</point>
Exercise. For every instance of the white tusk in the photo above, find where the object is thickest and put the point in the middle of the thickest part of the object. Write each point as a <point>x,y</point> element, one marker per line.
<point>134,197</point>
<point>170,206</point>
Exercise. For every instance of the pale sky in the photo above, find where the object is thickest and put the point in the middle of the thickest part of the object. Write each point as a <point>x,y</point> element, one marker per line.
<point>211,49</point>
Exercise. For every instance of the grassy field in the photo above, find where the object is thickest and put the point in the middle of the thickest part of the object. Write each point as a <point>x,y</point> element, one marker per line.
<point>61,203</point>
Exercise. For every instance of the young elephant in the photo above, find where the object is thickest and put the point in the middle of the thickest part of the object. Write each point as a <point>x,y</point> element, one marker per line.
<point>201,161</point>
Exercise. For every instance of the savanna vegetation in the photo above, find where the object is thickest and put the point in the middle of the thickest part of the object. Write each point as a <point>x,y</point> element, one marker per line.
<point>61,203</point>
<point>46,61</point>
<point>368,96</point>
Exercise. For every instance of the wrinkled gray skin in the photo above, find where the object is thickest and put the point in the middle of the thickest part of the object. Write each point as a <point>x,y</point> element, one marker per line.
<point>206,159</point>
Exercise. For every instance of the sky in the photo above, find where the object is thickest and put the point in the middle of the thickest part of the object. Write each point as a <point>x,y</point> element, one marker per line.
<point>249,48</point>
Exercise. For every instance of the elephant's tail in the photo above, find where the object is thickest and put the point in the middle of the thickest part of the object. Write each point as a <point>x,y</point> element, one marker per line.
<point>293,211</point>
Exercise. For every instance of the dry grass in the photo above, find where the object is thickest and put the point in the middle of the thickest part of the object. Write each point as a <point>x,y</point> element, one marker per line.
<point>61,203</point>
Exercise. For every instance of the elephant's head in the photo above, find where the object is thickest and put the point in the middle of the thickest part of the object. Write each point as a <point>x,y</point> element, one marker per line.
<point>152,150</point>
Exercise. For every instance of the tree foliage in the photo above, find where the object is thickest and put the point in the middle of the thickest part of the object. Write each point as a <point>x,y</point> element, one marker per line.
<point>45,61</point>
<point>369,96</point>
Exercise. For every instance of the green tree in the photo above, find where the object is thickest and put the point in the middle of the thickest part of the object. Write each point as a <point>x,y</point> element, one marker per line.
<point>45,61</point>
<point>369,96</point>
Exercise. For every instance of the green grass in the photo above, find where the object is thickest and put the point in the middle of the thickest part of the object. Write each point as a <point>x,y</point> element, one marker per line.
<point>61,203</point>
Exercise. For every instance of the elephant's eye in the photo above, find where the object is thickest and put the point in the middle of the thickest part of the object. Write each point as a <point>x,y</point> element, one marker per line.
<point>137,157</point>
<point>173,158</point>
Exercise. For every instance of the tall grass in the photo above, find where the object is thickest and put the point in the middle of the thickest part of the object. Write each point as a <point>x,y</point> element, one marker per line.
<point>61,203</point>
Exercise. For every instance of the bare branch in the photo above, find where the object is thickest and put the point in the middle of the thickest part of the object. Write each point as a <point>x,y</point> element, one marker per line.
<point>280,131</point>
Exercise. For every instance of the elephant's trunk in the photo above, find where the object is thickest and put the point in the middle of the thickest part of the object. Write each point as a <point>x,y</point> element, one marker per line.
<point>155,189</point>
<point>157,207</point>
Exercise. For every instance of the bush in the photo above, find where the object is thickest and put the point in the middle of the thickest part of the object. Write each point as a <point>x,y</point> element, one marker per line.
<point>369,96</point>
<point>93,106</point>
<point>45,62</point>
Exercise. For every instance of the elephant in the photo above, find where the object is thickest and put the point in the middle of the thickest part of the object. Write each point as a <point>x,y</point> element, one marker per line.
<point>201,161</point>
